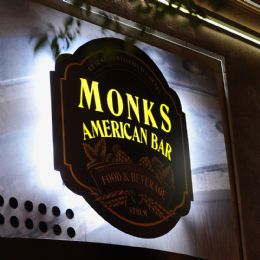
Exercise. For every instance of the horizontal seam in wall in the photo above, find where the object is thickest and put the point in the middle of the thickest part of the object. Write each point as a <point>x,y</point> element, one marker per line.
<point>15,81</point>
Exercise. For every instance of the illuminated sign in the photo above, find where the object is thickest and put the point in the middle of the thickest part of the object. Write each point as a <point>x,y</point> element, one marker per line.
<point>120,137</point>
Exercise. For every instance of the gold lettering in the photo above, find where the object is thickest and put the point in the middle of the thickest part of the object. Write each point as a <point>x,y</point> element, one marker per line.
<point>96,129</point>
<point>134,105</point>
<point>154,140</point>
<point>143,135</point>
<point>115,129</point>
<point>148,182</point>
<point>129,137</point>
<point>166,118</point>
<point>122,129</point>
<point>135,136</point>
<point>110,102</point>
<point>161,147</point>
<point>106,128</point>
<point>148,115</point>
<point>111,178</point>
<point>89,93</point>
<point>86,132</point>
<point>168,151</point>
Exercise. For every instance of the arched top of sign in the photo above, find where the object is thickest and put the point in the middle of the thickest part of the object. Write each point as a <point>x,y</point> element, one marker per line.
<point>120,137</point>
<point>110,47</point>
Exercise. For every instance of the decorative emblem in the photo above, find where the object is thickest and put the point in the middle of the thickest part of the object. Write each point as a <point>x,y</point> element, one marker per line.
<point>120,137</point>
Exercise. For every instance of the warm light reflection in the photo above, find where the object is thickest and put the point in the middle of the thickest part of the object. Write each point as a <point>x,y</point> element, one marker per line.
<point>220,24</point>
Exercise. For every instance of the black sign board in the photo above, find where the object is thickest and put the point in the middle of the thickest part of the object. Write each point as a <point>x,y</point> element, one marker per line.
<point>120,137</point>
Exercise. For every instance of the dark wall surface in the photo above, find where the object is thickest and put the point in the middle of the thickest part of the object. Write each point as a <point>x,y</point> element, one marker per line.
<point>13,249</point>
